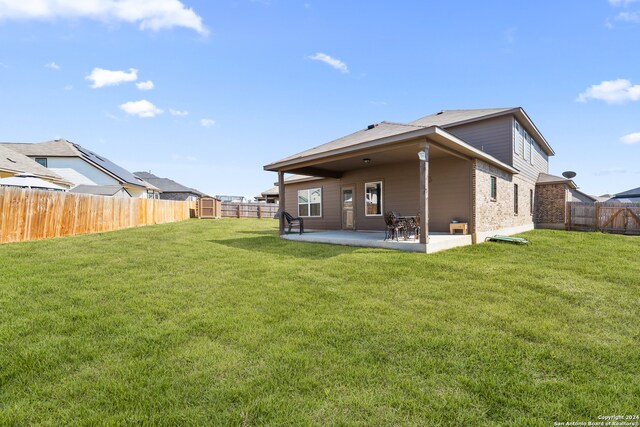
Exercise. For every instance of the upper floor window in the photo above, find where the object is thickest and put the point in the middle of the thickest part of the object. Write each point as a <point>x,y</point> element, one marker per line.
<point>310,202</point>
<point>42,161</point>
<point>373,198</point>
<point>528,140</point>
<point>518,140</point>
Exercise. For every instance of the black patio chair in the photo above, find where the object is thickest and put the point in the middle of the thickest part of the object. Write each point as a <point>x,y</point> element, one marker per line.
<point>393,225</point>
<point>299,222</point>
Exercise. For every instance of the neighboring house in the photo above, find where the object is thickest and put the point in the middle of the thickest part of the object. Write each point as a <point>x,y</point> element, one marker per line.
<point>269,196</point>
<point>232,199</point>
<point>80,166</point>
<point>13,163</point>
<point>170,190</point>
<point>552,194</point>
<point>629,196</point>
<point>475,166</point>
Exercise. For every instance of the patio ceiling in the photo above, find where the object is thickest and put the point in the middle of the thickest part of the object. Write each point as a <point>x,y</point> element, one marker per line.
<point>377,157</point>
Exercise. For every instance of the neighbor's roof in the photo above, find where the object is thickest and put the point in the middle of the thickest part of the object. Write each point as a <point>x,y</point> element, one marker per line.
<point>98,190</point>
<point>14,162</point>
<point>443,119</point>
<point>167,185</point>
<point>545,178</point>
<point>634,192</point>
<point>273,191</point>
<point>64,148</point>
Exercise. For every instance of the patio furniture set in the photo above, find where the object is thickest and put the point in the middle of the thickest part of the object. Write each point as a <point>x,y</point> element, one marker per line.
<point>409,226</point>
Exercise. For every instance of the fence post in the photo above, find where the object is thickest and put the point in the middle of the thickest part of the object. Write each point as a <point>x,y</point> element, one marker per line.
<point>238,210</point>
<point>597,222</point>
<point>259,212</point>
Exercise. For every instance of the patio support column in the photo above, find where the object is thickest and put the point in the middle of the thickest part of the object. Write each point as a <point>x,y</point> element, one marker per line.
<point>281,200</point>
<point>423,199</point>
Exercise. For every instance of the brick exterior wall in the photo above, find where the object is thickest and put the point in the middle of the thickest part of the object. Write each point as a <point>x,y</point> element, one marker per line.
<point>550,205</point>
<point>498,214</point>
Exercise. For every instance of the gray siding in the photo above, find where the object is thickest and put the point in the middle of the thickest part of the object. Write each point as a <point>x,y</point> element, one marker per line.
<point>528,169</point>
<point>493,136</point>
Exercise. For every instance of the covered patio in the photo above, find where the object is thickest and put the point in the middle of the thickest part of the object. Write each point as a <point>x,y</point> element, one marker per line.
<point>375,239</point>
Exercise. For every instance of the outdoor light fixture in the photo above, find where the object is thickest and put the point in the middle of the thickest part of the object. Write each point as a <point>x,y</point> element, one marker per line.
<point>366,161</point>
<point>422,155</point>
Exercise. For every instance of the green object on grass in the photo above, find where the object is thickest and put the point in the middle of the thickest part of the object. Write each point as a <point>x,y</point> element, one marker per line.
<point>497,238</point>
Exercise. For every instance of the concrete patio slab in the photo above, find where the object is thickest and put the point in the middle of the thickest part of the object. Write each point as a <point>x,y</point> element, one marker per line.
<point>375,239</point>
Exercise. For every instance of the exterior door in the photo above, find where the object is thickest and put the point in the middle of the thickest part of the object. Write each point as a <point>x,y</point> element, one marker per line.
<point>347,208</point>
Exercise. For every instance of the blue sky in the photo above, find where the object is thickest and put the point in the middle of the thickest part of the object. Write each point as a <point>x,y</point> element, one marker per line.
<point>239,84</point>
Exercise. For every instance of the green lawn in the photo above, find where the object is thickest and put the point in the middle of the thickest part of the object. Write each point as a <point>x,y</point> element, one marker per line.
<point>218,322</point>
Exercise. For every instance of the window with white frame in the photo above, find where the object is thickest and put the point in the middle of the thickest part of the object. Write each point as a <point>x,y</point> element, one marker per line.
<point>373,198</point>
<point>310,202</point>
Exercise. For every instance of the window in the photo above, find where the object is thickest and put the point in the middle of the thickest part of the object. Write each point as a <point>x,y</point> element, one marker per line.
<point>531,202</point>
<point>373,198</point>
<point>527,146</point>
<point>518,140</point>
<point>42,161</point>
<point>515,199</point>
<point>494,188</point>
<point>310,202</point>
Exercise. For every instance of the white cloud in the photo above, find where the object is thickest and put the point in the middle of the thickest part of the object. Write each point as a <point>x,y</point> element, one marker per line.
<point>621,2</point>
<point>141,108</point>
<point>148,85</point>
<point>178,112</point>
<point>52,65</point>
<point>611,92</point>
<point>152,15</point>
<point>207,122</point>
<point>333,62</point>
<point>632,138</point>
<point>101,77</point>
<point>633,17</point>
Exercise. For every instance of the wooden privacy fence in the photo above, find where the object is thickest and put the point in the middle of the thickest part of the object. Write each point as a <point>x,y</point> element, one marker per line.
<point>249,210</point>
<point>36,214</point>
<point>610,217</point>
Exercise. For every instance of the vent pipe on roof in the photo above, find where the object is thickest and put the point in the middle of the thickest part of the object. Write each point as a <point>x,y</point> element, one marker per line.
<point>371,127</point>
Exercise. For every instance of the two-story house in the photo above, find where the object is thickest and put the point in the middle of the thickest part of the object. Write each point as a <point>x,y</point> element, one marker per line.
<point>88,172</point>
<point>478,167</point>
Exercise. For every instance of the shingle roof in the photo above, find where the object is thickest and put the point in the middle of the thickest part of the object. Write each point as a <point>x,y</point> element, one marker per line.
<point>442,119</point>
<point>634,192</point>
<point>98,190</point>
<point>15,162</point>
<point>380,130</point>
<point>447,118</point>
<point>545,178</point>
<point>167,185</point>
<point>64,148</point>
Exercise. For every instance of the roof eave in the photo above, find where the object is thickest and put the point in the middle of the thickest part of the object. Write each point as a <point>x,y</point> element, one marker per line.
<point>435,133</point>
